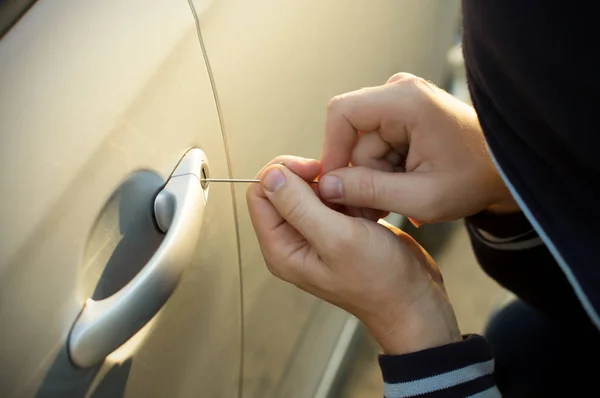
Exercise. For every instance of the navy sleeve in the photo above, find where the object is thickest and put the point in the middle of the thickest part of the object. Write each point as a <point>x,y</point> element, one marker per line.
<point>510,251</point>
<point>532,73</point>
<point>463,369</point>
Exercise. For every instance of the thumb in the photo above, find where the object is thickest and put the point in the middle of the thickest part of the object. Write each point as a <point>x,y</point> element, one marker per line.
<point>297,203</point>
<point>403,193</point>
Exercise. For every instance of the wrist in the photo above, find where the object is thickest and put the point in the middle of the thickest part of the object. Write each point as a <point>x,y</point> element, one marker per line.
<point>503,203</point>
<point>428,324</point>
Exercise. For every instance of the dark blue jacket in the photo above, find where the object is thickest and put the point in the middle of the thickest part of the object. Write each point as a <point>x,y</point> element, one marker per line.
<point>535,83</point>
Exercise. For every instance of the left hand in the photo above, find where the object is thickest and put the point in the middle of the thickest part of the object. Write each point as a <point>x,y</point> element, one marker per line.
<point>379,274</point>
<point>414,149</point>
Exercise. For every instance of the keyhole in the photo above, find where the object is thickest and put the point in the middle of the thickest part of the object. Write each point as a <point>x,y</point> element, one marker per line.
<point>204,174</point>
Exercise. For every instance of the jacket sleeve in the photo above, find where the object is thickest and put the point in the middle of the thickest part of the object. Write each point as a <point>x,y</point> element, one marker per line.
<point>510,251</point>
<point>463,369</point>
<point>492,233</point>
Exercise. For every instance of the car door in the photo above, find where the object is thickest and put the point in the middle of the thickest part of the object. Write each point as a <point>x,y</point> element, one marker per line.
<point>275,65</point>
<point>99,103</point>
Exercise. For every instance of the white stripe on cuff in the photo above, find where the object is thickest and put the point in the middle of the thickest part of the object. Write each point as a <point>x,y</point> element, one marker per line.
<point>511,246</point>
<point>438,382</point>
<point>494,239</point>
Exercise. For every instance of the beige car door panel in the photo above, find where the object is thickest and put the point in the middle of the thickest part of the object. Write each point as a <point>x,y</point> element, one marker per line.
<point>99,101</point>
<point>275,65</point>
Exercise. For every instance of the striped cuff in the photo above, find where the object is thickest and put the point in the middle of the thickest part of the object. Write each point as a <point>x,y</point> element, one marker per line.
<point>463,369</point>
<point>524,241</point>
<point>510,232</point>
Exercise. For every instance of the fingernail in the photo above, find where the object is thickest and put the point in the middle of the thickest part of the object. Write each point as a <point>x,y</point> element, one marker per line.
<point>330,187</point>
<point>273,180</point>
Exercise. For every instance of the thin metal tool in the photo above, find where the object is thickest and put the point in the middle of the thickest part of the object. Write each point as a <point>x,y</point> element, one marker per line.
<point>242,180</point>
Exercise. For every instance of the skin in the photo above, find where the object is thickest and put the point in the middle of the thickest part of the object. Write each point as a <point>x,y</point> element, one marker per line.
<point>416,151</point>
<point>406,147</point>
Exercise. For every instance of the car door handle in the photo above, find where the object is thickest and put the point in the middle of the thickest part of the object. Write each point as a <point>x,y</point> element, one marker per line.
<point>106,324</point>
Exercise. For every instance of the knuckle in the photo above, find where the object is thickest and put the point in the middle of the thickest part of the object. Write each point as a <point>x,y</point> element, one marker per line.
<point>412,84</point>
<point>360,157</point>
<point>400,76</point>
<point>335,103</point>
<point>296,211</point>
<point>274,270</point>
<point>289,266</point>
<point>368,191</point>
<point>275,261</point>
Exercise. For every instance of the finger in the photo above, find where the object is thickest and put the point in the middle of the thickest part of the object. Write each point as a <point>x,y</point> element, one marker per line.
<point>297,203</point>
<point>346,114</point>
<point>371,151</point>
<point>389,109</point>
<point>403,193</point>
<point>285,250</point>
<point>307,169</point>
<point>374,152</point>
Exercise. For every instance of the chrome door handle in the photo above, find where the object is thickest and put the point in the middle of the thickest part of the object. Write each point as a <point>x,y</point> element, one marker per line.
<point>104,325</point>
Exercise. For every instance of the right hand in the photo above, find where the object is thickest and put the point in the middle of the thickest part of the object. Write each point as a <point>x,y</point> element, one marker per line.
<point>372,270</point>
<point>414,149</point>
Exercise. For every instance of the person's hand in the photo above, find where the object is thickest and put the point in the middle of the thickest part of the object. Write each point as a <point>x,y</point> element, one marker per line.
<point>415,150</point>
<point>379,274</point>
